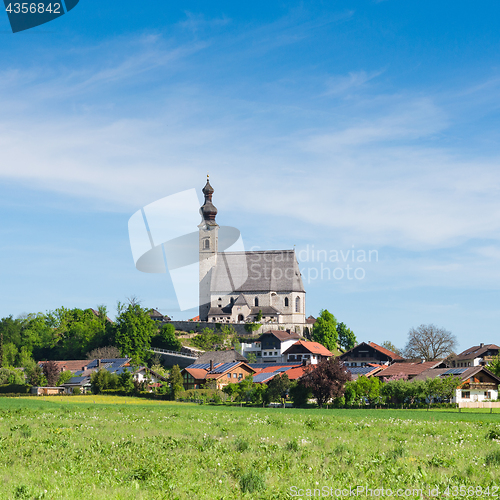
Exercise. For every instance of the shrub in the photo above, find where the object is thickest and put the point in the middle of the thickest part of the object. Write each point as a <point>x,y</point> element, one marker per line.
<point>15,389</point>
<point>493,458</point>
<point>242,445</point>
<point>493,434</point>
<point>252,481</point>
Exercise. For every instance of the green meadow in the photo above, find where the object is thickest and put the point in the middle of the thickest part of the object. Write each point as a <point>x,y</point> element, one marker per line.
<point>124,448</point>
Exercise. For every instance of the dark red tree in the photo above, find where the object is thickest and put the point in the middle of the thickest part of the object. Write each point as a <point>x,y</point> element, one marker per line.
<point>327,380</point>
<point>51,372</point>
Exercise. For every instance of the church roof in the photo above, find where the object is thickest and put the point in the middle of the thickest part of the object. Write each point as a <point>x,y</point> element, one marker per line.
<point>241,301</point>
<point>260,271</point>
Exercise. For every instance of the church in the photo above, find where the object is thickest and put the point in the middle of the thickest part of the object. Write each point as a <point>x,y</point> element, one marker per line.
<point>243,286</point>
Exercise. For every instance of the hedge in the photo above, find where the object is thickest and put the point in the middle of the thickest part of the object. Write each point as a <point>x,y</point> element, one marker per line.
<point>15,389</point>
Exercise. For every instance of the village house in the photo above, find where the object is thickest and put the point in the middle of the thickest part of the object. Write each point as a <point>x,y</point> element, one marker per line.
<point>367,371</point>
<point>475,356</point>
<point>265,373</point>
<point>408,370</point>
<point>477,383</point>
<point>196,376</point>
<point>368,352</point>
<point>307,352</point>
<point>270,346</point>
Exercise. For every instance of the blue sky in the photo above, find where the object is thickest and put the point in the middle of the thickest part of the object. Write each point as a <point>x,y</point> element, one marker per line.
<point>333,125</point>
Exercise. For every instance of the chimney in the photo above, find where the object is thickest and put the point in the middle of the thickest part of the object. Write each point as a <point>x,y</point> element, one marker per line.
<point>481,344</point>
<point>211,365</point>
<point>98,363</point>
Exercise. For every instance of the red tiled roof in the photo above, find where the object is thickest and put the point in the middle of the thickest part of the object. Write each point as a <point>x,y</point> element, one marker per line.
<point>299,371</point>
<point>312,347</point>
<point>73,365</point>
<point>475,351</point>
<point>409,369</point>
<point>197,373</point>
<point>282,335</point>
<point>385,351</point>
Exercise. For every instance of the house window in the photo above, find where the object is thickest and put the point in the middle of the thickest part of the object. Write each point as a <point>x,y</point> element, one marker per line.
<point>256,301</point>
<point>235,375</point>
<point>240,375</point>
<point>275,353</point>
<point>264,353</point>
<point>286,301</point>
<point>228,375</point>
<point>297,304</point>
<point>240,317</point>
<point>465,394</point>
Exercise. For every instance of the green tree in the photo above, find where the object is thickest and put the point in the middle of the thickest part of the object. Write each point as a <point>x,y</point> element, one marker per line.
<point>245,389</point>
<point>347,339</point>
<point>299,394</point>
<point>34,373</point>
<point>277,388</point>
<point>169,340</point>
<point>387,344</point>
<point>367,389</point>
<point>251,357</point>
<point>134,330</point>
<point>325,330</point>
<point>126,381</point>
<point>64,377</point>
<point>176,382</point>
<point>231,390</point>
<point>102,380</point>
<point>327,380</point>
<point>494,365</point>
<point>11,376</point>
<point>206,340</point>
<point>10,354</point>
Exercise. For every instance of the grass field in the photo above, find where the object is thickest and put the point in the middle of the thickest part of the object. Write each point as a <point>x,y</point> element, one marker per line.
<point>125,448</point>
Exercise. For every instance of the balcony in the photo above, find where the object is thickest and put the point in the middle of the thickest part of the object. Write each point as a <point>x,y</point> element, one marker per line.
<point>483,386</point>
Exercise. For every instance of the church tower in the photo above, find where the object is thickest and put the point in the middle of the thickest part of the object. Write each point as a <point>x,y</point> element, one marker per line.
<point>208,247</point>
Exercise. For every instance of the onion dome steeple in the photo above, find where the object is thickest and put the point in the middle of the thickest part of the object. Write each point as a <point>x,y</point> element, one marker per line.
<point>208,210</point>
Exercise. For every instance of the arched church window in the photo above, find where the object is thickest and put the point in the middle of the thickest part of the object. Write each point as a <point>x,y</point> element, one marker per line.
<point>286,301</point>
<point>256,301</point>
<point>297,304</point>
<point>207,243</point>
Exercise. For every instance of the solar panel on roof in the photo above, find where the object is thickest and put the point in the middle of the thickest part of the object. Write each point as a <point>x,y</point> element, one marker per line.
<point>224,367</point>
<point>262,377</point>
<point>454,371</point>
<point>359,369</point>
